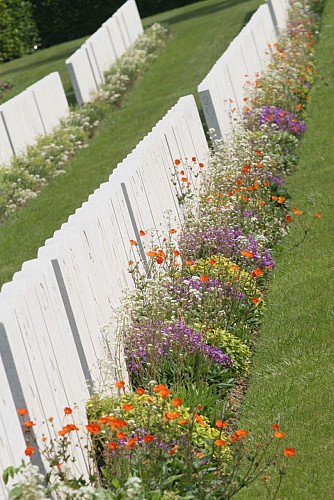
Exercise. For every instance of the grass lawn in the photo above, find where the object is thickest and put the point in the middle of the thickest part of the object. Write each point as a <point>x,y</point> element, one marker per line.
<point>200,34</point>
<point>292,378</point>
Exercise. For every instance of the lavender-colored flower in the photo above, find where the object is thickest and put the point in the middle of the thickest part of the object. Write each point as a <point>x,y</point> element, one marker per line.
<point>226,241</point>
<point>283,120</point>
<point>157,340</point>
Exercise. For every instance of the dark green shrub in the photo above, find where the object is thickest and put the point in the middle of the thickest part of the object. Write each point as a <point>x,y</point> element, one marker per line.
<point>62,20</point>
<point>18,32</point>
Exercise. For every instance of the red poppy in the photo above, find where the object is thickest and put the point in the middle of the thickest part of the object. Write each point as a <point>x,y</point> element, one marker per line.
<point>67,410</point>
<point>148,438</point>
<point>142,233</point>
<point>177,162</point>
<point>275,426</point>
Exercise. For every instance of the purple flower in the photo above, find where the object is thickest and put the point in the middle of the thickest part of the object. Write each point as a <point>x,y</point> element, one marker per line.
<point>154,340</point>
<point>282,119</point>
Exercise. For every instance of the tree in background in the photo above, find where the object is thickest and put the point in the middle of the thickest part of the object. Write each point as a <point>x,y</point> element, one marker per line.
<point>18,32</point>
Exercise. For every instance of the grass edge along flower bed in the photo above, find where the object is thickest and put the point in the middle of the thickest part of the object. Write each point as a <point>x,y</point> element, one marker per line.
<point>206,285</point>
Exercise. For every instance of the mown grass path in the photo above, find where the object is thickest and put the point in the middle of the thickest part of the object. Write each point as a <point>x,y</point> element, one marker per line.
<point>200,33</point>
<point>292,378</point>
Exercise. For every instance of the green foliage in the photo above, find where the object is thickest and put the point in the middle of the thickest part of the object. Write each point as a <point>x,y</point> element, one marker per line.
<point>234,347</point>
<point>59,21</point>
<point>18,32</point>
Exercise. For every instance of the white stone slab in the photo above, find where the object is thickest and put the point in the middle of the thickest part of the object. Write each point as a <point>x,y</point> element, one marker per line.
<point>51,100</point>
<point>120,20</point>
<point>103,50</point>
<point>115,35</point>
<point>6,150</point>
<point>82,76</point>
<point>279,12</point>
<point>131,20</point>
<point>23,121</point>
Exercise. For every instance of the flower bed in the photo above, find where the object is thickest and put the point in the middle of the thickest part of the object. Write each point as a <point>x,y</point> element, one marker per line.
<point>188,327</point>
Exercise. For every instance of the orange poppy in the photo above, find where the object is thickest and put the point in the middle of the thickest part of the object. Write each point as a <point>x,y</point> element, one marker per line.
<point>140,390</point>
<point>164,393</point>
<point>255,300</point>
<point>159,260</point>
<point>29,424</point>
<point>177,402</point>
<point>148,438</point>
<point>246,169</point>
<point>132,443</point>
<point>29,451</point>
<point>318,215</point>
<point>184,421</point>
<point>176,253</point>
<point>279,435</point>
<point>172,231</point>
<point>133,242</point>
<point>120,384</point>
<point>220,442</point>
<point>22,411</point>
<point>275,426</point>
<point>177,162</point>
<point>93,428</point>
<point>151,253</point>
<point>172,415</point>
<point>127,407</point>
<point>112,445</point>
<point>288,218</point>
<point>142,233</point>
<point>221,424</point>
<point>159,387</point>
<point>200,420</point>
<point>201,165</point>
<point>257,272</point>
<point>121,435</point>
<point>296,211</point>
<point>241,432</point>
<point>289,452</point>
<point>204,278</point>
<point>67,429</point>
<point>248,254</point>
<point>67,410</point>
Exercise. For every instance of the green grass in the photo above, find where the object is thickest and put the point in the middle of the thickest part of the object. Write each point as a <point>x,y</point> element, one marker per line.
<point>292,378</point>
<point>200,34</point>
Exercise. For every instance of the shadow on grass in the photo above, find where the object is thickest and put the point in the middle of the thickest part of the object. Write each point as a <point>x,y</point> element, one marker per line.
<point>204,10</point>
